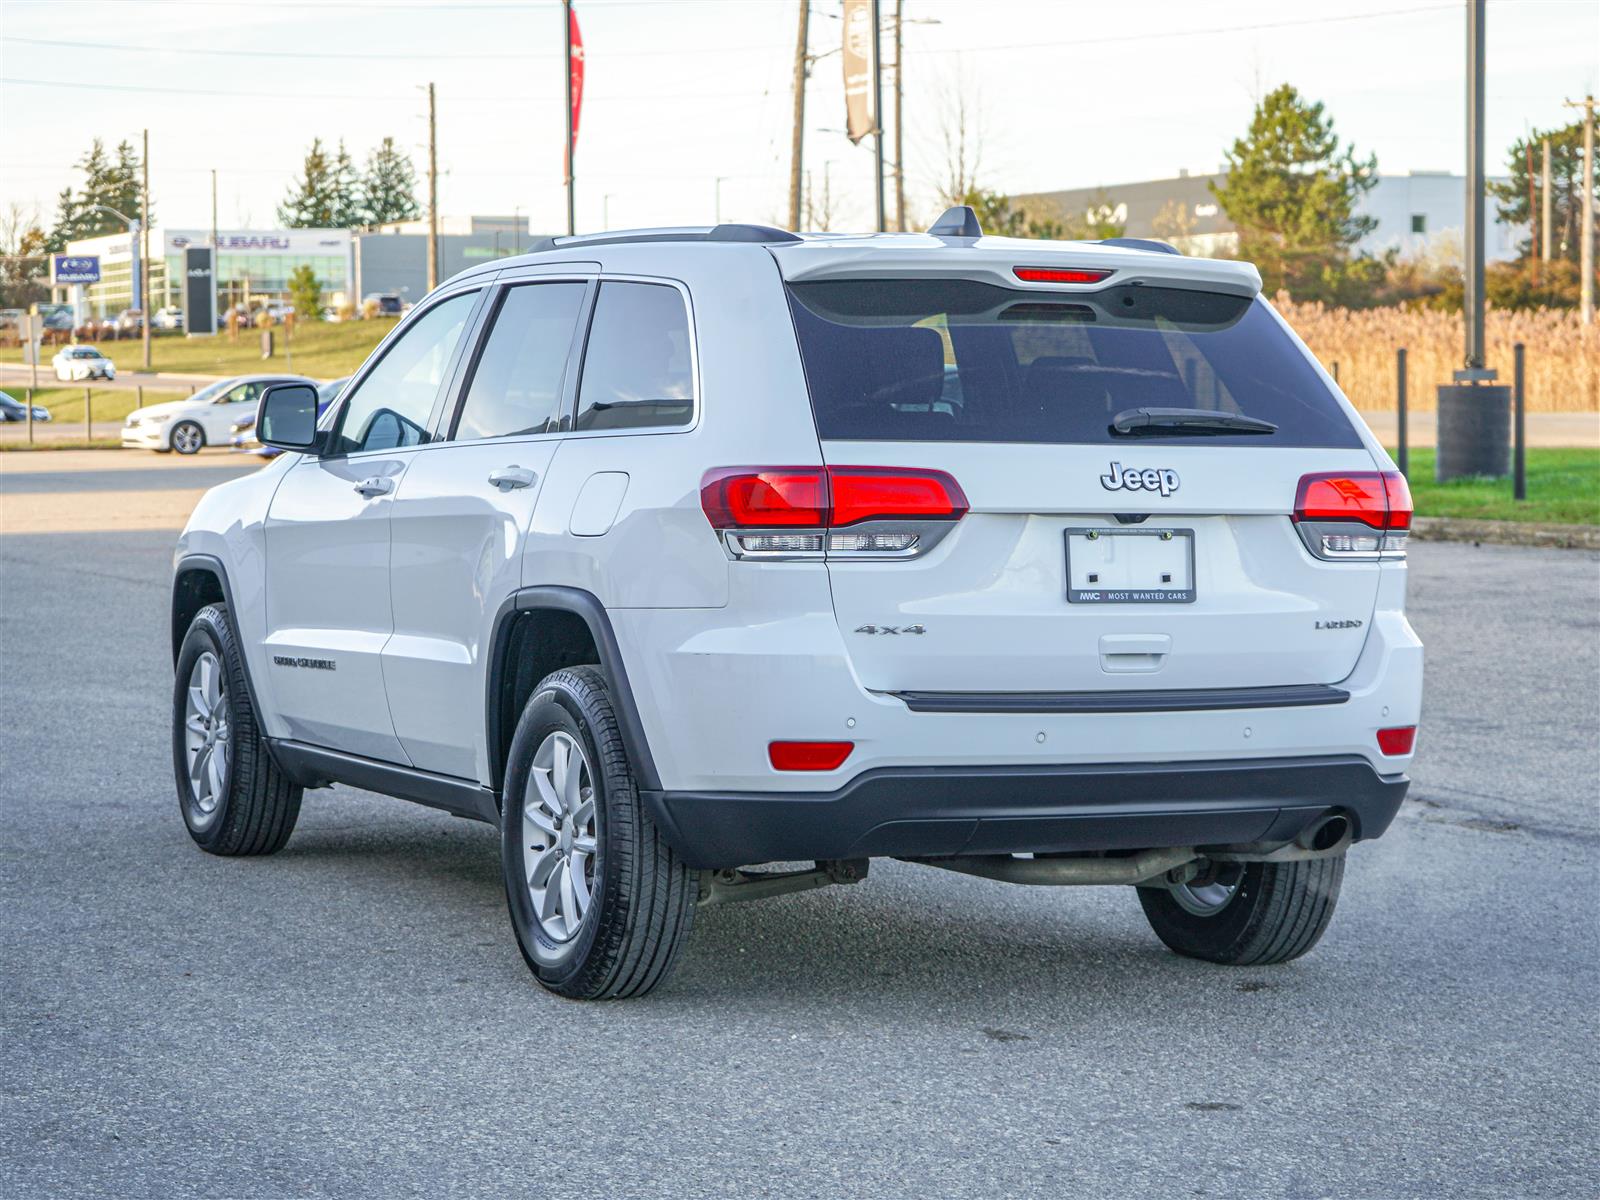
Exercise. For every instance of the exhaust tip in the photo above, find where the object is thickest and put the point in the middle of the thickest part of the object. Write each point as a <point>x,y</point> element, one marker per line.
<point>1325,834</point>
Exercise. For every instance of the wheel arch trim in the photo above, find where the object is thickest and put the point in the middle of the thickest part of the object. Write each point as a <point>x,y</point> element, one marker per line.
<point>214,566</point>
<point>587,607</point>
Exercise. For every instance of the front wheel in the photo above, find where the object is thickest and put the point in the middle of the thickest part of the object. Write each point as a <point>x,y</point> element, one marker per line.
<point>600,904</point>
<point>233,798</point>
<point>187,437</point>
<point>1247,914</point>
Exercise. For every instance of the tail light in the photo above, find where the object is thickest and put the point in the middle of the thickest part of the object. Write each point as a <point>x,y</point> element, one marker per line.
<point>837,512</point>
<point>1354,514</point>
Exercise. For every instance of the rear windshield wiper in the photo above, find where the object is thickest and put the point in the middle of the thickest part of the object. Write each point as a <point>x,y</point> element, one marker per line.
<point>1135,421</point>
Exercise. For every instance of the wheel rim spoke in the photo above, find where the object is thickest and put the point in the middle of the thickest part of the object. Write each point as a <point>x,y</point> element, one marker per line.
<point>559,823</point>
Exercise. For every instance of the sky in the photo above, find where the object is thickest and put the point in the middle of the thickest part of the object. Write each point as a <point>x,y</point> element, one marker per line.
<point>682,93</point>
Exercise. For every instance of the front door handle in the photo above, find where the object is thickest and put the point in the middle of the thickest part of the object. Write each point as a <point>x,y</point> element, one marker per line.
<point>378,485</point>
<point>507,478</point>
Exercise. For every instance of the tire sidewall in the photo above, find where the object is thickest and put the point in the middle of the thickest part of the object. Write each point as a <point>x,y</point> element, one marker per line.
<point>553,708</point>
<point>203,636</point>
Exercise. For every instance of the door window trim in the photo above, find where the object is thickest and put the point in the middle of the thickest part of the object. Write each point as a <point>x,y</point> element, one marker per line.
<point>479,287</point>
<point>586,322</point>
<point>483,330</point>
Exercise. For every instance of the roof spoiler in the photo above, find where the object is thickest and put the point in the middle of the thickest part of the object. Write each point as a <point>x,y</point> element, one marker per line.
<point>959,221</point>
<point>1149,244</point>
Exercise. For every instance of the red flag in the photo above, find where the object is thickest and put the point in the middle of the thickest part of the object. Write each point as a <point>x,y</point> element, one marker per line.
<point>575,65</point>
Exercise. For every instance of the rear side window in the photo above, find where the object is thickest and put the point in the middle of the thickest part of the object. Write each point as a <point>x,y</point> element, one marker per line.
<point>637,367</point>
<point>516,386</point>
<point>963,361</point>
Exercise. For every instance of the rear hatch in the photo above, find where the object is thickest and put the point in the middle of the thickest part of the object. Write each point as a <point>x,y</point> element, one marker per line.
<point>1101,548</point>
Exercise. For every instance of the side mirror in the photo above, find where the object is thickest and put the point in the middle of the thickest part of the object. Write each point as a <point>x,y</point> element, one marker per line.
<point>287,417</point>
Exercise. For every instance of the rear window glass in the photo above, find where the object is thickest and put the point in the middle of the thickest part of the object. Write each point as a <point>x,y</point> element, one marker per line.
<point>962,361</point>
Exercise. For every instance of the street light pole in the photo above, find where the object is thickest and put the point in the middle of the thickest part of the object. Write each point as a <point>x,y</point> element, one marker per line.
<point>144,253</point>
<point>877,105</point>
<point>1474,246</point>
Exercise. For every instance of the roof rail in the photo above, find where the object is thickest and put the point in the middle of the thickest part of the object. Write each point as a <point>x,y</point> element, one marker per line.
<point>754,234</point>
<point>959,221</point>
<point>1149,244</point>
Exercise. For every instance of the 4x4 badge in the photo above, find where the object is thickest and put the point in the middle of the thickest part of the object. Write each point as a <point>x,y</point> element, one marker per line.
<point>1137,479</point>
<point>890,629</point>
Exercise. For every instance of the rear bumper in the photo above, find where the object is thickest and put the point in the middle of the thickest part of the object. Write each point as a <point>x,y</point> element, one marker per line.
<point>918,811</point>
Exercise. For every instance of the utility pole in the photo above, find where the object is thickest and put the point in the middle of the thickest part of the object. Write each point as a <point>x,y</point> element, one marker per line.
<point>877,104</point>
<point>144,254</point>
<point>899,125</point>
<point>1586,253</point>
<point>213,218</point>
<point>566,61</point>
<point>1533,221</point>
<point>797,146</point>
<point>718,182</point>
<point>433,193</point>
<point>1544,224</point>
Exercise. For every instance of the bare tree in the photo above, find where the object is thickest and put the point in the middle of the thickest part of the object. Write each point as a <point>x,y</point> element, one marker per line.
<point>24,259</point>
<point>821,210</point>
<point>961,131</point>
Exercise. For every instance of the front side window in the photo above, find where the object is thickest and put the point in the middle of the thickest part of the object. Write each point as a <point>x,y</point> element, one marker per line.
<point>516,386</point>
<point>245,393</point>
<point>390,407</point>
<point>637,366</point>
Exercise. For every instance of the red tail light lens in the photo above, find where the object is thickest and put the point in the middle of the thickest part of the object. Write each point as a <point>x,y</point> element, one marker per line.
<point>765,497</point>
<point>1397,741</point>
<point>898,512</point>
<point>1354,514</point>
<point>808,756</point>
<point>1060,274</point>
<point>890,493</point>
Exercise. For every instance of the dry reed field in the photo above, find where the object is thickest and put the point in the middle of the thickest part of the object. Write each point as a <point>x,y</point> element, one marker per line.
<point>1563,357</point>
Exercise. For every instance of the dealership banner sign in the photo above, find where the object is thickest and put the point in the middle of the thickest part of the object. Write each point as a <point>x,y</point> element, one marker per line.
<point>575,65</point>
<point>199,289</point>
<point>860,120</point>
<point>75,268</point>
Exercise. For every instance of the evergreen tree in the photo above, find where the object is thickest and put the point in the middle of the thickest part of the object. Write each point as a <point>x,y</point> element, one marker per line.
<point>389,186</point>
<point>346,189</point>
<point>312,202</point>
<point>113,182</point>
<point>1291,190</point>
<point>305,293</point>
<point>1566,191</point>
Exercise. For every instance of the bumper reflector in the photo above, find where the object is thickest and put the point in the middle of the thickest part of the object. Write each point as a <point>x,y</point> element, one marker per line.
<point>808,756</point>
<point>1397,741</point>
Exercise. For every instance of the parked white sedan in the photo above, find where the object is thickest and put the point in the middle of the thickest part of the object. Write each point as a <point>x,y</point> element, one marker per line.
<point>203,419</point>
<point>75,364</point>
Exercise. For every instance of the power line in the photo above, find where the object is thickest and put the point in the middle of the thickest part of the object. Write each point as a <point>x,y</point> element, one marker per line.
<point>522,56</point>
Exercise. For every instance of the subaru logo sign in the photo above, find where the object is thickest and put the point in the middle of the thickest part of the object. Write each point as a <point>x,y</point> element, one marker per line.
<point>75,268</point>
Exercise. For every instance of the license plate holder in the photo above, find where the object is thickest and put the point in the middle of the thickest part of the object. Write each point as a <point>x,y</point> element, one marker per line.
<point>1130,566</point>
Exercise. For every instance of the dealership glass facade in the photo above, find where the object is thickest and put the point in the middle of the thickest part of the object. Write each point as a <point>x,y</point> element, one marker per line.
<point>252,266</point>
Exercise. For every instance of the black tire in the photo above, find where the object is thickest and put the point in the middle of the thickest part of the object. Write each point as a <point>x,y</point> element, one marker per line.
<point>256,805</point>
<point>1278,912</point>
<point>196,447</point>
<point>642,897</point>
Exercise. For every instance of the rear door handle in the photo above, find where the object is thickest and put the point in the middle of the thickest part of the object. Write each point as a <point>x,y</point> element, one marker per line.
<point>507,478</point>
<point>378,485</point>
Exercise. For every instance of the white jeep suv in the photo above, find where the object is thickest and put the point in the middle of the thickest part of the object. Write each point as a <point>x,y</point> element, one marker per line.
<point>678,552</point>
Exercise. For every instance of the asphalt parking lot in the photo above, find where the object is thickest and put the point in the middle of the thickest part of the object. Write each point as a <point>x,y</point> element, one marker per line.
<point>351,1016</point>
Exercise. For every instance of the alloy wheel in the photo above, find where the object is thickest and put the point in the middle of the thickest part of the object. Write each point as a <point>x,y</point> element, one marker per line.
<point>206,736</point>
<point>559,836</point>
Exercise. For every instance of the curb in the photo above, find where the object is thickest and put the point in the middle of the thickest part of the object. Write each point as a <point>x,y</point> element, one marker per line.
<point>1506,533</point>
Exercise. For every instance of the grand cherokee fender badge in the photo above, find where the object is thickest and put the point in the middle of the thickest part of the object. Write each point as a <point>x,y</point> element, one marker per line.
<point>1137,479</point>
<point>890,629</point>
<point>314,664</point>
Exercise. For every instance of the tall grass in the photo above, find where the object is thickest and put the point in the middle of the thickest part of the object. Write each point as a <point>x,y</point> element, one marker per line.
<point>1563,357</point>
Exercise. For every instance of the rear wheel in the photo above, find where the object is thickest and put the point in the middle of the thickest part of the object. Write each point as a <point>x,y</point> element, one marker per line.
<point>187,437</point>
<point>600,904</point>
<point>1247,914</point>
